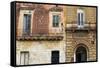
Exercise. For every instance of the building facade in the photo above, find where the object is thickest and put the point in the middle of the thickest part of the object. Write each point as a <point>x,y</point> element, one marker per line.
<point>51,34</point>
<point>80,33</point>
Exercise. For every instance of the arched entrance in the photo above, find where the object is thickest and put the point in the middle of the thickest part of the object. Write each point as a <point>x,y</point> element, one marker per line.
<point>81,54</point>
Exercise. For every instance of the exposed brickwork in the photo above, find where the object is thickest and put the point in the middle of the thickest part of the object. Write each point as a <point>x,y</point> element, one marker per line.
<point>40,20</point>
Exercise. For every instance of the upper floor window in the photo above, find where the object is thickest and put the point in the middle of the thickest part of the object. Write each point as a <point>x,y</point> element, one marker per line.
<point>80,18</point>
<point>56,20</point>
<point>27,24</point>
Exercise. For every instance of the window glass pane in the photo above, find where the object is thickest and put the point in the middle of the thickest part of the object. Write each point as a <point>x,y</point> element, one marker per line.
<point>81,18</point>
<point>27,24</point>
<point>56,20</point>
<point>78,18</point>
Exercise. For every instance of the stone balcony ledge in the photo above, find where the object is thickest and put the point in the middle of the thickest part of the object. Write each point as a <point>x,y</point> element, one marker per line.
<point>41,37</point>
<point>72,26</point>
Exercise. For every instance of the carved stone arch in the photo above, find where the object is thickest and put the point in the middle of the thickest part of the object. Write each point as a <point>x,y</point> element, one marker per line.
<point>81,44</point>
<point>81,52</point>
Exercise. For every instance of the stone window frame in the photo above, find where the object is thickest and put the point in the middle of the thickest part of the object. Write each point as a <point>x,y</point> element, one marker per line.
<point>55,29</point>
<point>21,20</point>
<point>56,13</point>
<point>81,13</point>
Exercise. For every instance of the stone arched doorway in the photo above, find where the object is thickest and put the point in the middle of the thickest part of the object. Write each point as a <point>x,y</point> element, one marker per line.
<point>81,54</point>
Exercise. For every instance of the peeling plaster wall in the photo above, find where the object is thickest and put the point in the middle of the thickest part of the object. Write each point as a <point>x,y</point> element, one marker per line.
<point>40,51</point>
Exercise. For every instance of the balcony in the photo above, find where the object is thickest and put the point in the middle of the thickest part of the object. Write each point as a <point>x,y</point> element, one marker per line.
<point>72,26</point>
<point>46,36</point>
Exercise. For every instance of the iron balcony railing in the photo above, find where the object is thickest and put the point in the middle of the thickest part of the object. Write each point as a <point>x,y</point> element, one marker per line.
<point>86,26</point>
<point>51,35</point>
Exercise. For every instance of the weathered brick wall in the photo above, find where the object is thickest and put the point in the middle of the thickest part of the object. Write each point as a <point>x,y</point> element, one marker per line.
<point>40,20</point>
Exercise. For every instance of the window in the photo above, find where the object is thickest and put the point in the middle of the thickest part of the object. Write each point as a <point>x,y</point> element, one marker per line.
<point>27,24</point>
<point>56,20</point>
<point>24,58</point>
<point>55,57</point>
<point>81,18</point>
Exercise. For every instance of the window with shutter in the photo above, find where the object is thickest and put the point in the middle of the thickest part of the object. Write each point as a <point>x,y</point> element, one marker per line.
<point>24,58</point>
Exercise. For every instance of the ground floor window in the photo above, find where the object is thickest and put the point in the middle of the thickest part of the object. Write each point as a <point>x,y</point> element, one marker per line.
<point>55,57</point>
<point>24,58</point>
